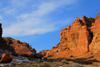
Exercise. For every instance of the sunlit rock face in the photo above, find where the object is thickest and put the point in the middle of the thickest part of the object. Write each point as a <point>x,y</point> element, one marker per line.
<point>95,44</point>
<point>19,47</point>
<point>81,37</point>
<point>77,36</point>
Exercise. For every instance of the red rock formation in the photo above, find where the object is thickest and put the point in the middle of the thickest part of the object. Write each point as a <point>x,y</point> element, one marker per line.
<point>77,38</point>
<point>20,47</point>
<point>81,38</point>
<point>43,52</point>
<point>15,46</point>
<point>95,45</point>
<point>6,58</point>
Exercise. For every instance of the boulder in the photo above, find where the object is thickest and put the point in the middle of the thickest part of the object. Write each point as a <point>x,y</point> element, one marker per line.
<point>6,58</point>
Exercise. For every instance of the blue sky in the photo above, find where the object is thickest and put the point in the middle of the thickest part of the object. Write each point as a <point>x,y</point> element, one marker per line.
<point>39,22</point>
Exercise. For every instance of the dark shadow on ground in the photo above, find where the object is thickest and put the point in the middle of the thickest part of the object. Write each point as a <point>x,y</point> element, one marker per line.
<point>77,60</point>
<point>4,46</point>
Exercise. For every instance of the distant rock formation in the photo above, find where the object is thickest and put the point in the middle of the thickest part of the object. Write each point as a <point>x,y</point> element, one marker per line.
<point>81,37</point>
<point>19,47</point>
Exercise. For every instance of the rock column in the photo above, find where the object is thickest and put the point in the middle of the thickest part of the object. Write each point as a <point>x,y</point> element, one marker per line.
<point>0,32</point>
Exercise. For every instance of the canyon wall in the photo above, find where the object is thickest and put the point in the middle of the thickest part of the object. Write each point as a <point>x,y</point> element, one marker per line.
<point>95,44</point>
<point>81,37</point>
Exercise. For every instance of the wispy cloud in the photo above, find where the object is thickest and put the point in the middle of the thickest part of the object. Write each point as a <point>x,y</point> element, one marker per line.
<point>10,11</point>
<point>0,17</point>
<point>32,19</point>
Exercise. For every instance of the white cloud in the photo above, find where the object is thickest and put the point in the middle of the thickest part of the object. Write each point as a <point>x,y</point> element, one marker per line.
<point>28,28</point>
<point>34,22</point>
<point>0,17</point>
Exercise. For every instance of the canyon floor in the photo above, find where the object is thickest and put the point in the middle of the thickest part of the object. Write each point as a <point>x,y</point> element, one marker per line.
<point>52,63</point>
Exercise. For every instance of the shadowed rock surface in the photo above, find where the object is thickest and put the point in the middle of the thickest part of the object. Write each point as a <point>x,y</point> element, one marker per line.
<point>0,32</point>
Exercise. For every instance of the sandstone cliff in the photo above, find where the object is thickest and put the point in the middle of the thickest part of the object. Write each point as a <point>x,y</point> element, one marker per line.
<point>82,37</point>
<point>95,44</point>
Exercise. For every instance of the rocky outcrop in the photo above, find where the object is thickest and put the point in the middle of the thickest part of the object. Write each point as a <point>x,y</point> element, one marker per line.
<point>81,37</point>
<point>19,47</point>
<point>15,46</point>
<point>0,33</point>
<point>3,44</point>
<point>43,52</point>
<point>76,37</point>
